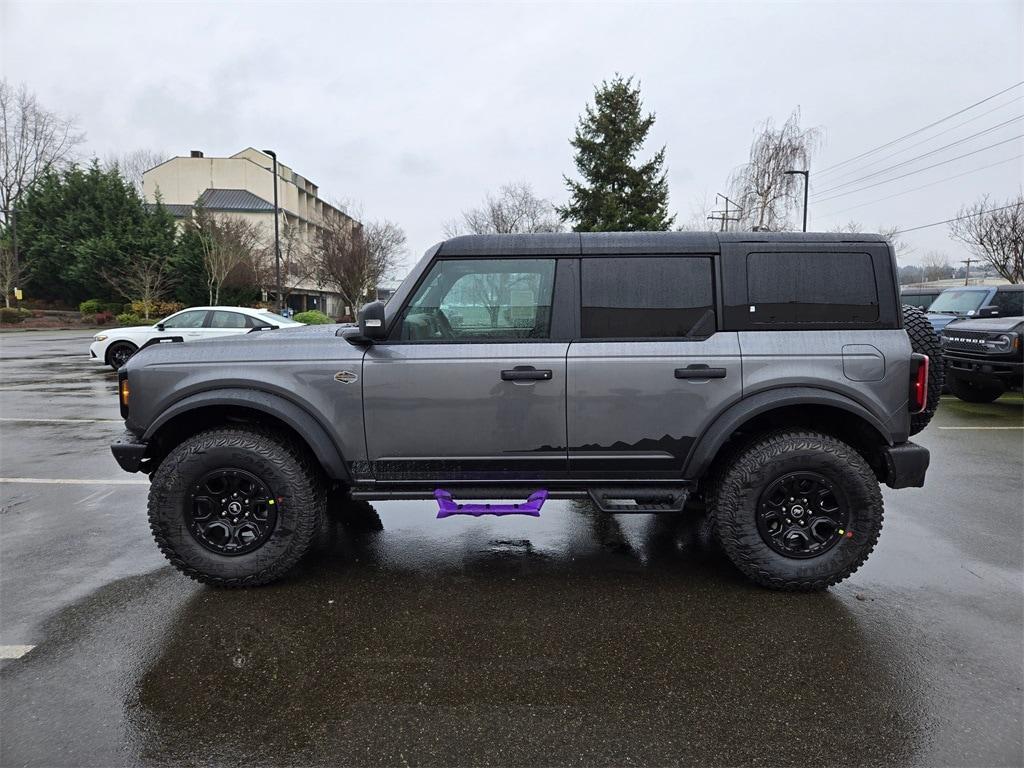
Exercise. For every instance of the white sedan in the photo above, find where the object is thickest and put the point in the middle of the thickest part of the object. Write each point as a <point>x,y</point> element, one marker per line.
<point>115,346</point>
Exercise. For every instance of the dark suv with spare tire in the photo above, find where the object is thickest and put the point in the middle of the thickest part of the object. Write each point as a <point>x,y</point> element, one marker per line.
<point>773,377</point>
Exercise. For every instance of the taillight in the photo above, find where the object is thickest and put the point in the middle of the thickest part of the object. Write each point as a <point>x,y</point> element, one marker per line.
<point>918,383</point>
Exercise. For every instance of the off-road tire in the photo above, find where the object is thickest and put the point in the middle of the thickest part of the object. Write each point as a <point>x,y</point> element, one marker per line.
<point>925,341</point>
<point>972,391</point>
<point>286,469</point>
<point>114,348</point>
<point>735,489</point>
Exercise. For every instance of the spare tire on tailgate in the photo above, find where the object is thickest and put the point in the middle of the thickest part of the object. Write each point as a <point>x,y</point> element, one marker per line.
<point>925,341</point>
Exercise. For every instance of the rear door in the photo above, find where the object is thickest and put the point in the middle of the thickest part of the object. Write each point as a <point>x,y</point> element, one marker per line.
<point>650,370</point>
<point>473,384</point>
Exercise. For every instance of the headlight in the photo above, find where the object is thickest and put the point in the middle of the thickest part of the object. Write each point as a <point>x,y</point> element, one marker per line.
<point>1001,343</point>
<point>99,337</point>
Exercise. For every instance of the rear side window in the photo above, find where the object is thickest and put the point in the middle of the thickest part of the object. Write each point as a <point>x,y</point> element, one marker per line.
<point>1010,303</point>
<point>642,297</point>
<point>919,300</point>
<point>798,288</point>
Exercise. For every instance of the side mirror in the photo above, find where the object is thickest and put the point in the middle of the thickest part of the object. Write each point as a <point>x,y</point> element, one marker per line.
<point>988,312</point>
<point>371,325</point>
<point>160,327</point>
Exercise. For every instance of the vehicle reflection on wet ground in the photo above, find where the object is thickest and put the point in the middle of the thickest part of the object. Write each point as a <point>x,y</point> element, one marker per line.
<point>573,639</point>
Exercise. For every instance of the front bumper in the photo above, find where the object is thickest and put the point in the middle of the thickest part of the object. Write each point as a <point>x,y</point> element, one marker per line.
<point>129,451</point>
<point>905,465</point>
<point>973,366</point>
<point>98,352</point>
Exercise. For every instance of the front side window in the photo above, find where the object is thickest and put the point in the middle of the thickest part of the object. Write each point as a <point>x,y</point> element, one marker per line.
<point>192,319</point>
<point>958,302</point>
<point>485,299</point>
<point>647,297</point>
<point>1010,303</point>
<point>826,288</point>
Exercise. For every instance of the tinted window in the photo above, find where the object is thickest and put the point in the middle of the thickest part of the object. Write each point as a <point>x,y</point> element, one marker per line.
<point>647,297</point>
<point>227,320</point>
<point>785,288</point>
<point>921,300</point>
<point>486,299</point>
<point>192,319</point>
<point>1010,303</point>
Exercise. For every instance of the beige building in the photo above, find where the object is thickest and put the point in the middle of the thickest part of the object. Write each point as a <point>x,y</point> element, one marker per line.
<point>242,185</point>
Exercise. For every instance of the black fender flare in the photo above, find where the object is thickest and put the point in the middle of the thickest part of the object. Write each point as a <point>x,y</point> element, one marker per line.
<point>708,444</point>
<point>295,416</point>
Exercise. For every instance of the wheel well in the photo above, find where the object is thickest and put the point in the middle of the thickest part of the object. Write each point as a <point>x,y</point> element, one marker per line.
<point>841,424</point>
<point>191,422</point>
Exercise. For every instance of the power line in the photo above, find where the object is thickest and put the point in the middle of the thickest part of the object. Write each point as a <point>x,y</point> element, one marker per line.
<point>921,156</point>
<point>919,170</point>
<point>843,174</point>
<point>955,218</point>
<point>923,186</point>
<point>920,130</point>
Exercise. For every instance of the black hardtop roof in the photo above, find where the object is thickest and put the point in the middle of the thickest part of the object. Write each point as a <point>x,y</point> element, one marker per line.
<point>627,243</point>
<point>1004,288</point>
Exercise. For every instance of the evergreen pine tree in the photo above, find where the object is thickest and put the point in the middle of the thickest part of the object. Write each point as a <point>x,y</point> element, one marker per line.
<point>616,194</point>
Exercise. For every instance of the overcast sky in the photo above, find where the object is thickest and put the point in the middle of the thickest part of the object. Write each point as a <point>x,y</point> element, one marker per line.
<point>415,111</point>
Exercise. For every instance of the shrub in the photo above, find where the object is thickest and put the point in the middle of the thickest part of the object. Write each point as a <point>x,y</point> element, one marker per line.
<point>312,317</point>
<point>92,306</point>
<point>13,314</point>
<point>130,318</point>
<point>157,309</point>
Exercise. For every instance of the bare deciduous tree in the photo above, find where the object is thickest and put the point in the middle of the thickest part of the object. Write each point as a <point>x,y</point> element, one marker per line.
<point>146,279</point>
<point>514,209</point>
<point>131,165</point>
<point>35,141</point>
<point>227,241</point>
<point>936,266</point>
<point>11,272</point>
<point>995,234</point>
<point>902,248</point>
<point>761,186</point>
<point>354,258</point>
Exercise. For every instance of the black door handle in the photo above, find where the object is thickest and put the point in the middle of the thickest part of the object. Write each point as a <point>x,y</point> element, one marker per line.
<point>700,371</point>
<point>526,373</point>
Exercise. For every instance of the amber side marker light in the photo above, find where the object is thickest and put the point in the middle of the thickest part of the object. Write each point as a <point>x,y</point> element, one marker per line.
<point>126,392</point>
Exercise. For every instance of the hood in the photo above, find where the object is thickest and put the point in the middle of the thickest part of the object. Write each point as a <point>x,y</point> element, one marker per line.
<point>989,324</point>
<point>300,343</point>
<point>940,321</point>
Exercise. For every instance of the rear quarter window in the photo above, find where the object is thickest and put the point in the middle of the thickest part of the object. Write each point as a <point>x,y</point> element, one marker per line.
<point>831,289</point>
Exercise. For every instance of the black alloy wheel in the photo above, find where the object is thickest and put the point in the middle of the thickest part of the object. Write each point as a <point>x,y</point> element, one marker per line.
<point>802,515</point>
<point>231,511</point>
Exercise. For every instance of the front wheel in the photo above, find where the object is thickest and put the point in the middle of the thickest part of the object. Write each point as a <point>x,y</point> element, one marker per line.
<point>796,510</point>
<point>236,507</point>
<point>120,352</point>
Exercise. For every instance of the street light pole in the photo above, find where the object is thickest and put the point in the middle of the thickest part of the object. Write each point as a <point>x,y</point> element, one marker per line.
<point>807,183</point>
<point>277,234</point>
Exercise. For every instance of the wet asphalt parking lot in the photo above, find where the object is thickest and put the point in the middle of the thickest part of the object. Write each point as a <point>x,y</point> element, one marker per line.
<point>573,639</point>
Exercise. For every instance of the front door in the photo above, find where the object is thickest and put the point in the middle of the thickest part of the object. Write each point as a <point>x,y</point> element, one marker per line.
<point>651,370</point>
<point>470,386</point>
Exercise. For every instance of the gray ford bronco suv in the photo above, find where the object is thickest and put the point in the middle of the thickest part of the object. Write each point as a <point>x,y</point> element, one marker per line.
<point>770,379</point>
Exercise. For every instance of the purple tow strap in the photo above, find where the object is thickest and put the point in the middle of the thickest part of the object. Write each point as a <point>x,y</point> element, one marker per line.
<point>447,507</point>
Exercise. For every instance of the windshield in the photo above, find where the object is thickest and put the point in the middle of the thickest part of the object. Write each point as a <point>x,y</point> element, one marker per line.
<point>958,302</point>
<point>273,317</point>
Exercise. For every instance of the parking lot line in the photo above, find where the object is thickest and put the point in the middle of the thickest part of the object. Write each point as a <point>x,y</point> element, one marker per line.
<point>73,481</point>
<point>14,651</point>
<point>27,420</point>
<point>981,427</point>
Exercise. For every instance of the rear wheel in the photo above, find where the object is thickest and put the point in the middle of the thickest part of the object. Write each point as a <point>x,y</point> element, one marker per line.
<point>925,341</point>
<point>119,353</point>
<point>975,391</point>
<point>236,507</point>
<point>796,510</point>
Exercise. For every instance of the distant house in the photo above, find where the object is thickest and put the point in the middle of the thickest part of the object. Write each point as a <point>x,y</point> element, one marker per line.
<point>242,185</point>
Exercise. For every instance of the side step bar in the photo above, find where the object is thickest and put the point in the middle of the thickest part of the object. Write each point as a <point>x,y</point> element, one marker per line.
<point>626,500</point>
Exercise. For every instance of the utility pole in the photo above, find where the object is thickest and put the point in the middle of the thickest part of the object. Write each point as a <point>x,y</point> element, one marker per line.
<point>967,272</point>
<point>277,235</point>
<point>723,216</point>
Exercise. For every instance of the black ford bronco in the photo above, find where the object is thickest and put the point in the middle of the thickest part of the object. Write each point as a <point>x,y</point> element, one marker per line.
<point>774,377</point>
